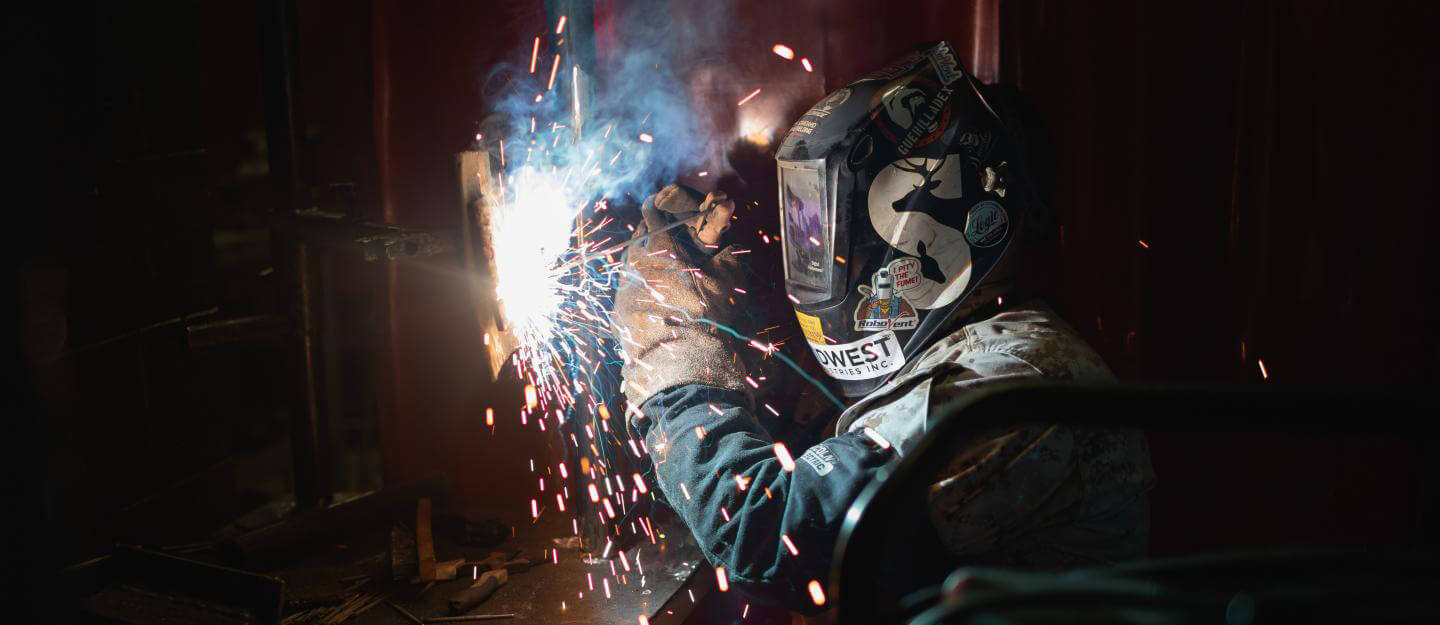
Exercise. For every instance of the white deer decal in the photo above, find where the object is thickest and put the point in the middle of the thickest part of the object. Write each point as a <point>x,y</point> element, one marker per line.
<point>897,195</point>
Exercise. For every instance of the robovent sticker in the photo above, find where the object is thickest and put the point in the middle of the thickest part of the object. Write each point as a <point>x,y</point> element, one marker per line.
<point>810,326</point>
<point>819,458</point>
<point>884,307</point>
<point>870,357</point>
<point>986,224</point>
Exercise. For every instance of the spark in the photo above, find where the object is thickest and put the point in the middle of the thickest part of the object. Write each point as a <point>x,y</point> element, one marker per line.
<point>489,417</point>
<point>553,67</point>
<point>784,538</point>
<point>575,89</point>
<point>786,461</point>
<point>534,509</point>
<point>747,98</point>
<point>783,51</point>
<point>645,137</point>
<point>640,484</point>
<point>817,594</point>
<point>721,580</point>
<point>1143,244</point>
<point>876,437</point>
<point>1264,374</point>
<point>561,26</point>
<point>806,64</point>
<point>534,55</point>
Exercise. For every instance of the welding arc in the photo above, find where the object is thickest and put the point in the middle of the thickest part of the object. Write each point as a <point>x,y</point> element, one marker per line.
<point>585,258</point>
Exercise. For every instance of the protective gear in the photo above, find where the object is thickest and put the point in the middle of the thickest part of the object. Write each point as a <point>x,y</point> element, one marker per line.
<point>909,171</point>
<point>670,289</point>
<point>1035,496</point>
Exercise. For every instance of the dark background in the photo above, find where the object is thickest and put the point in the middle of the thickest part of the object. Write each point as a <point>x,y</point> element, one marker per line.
<point>1277,158</point>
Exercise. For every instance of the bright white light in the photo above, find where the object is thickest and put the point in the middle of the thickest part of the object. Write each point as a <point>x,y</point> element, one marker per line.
<point>529,234</point>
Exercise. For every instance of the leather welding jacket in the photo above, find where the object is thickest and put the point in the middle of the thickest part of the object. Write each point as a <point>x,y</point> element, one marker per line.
<point>1040,497</point>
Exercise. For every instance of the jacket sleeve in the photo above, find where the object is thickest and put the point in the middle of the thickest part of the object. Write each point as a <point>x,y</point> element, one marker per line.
<point>718,468</point>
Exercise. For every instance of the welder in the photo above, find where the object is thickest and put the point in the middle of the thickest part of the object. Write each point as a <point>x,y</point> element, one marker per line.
<point>907,199</point>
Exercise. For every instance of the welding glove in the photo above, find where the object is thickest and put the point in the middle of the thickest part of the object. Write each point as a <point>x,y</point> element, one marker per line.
<point>673,293</point>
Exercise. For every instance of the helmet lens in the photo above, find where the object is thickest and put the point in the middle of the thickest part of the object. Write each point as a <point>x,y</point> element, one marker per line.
<point>808,223</point>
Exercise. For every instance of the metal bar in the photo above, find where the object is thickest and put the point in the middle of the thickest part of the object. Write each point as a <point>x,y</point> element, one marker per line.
<point>284,121</point>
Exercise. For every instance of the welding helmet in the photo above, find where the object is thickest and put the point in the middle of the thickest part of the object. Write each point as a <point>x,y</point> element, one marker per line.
<point>900,195</point>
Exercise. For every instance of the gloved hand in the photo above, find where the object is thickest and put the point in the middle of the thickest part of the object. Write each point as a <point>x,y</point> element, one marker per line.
<point>670,283</point>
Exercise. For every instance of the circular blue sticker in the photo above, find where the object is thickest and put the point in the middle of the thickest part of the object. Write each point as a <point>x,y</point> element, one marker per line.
<point>987,224</point>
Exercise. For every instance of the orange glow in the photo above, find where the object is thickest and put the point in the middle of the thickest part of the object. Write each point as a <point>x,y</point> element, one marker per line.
<point>783,51</point>
<point>531,399</point>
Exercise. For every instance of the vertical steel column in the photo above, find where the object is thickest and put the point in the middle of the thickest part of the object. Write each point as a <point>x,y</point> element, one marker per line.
<point>284,125</point>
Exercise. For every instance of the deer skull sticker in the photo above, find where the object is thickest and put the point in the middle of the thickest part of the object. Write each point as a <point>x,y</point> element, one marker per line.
<point>898,197</point>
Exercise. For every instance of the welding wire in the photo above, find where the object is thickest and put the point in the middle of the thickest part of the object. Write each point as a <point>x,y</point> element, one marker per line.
<point>469,617</point>
<point>405,613</point>
<point>585,258</point>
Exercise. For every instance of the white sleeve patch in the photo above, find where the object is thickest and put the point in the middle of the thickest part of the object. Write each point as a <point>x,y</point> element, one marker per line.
<point>819,458</point>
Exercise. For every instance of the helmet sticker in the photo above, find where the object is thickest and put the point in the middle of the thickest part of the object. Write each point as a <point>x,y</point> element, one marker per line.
<point>986,224</point>
<point>946,66</point>
<point>811,328</point>
<point>898,199</point>
<point>912,112</point>
<point>884,306</point>
<point>873,356</point>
